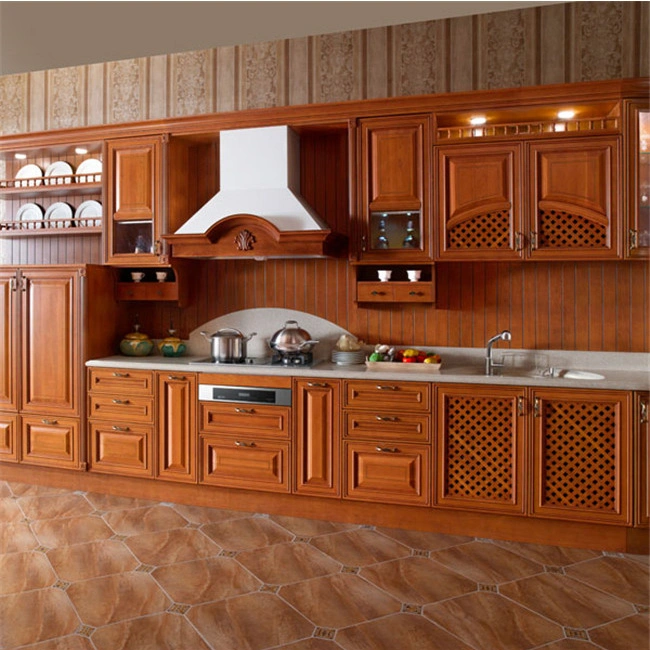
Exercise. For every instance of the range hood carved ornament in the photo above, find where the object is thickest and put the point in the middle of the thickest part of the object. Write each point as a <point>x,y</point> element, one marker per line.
<point>245,240</point>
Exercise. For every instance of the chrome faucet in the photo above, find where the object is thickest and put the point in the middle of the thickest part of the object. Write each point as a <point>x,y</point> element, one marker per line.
<point>489,364</point>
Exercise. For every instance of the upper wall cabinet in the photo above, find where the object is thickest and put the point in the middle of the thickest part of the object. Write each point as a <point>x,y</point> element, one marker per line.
<point>394,173</point>
<point>637,243</point>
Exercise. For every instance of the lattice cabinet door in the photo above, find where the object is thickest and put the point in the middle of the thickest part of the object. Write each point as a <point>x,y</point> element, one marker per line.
<point>480,448</point>
<point>574,199</point>
<point>479,202</point>
<point>581,455</point>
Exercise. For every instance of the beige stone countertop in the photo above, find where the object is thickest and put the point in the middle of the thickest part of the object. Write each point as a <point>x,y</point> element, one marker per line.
<point>470,373</point>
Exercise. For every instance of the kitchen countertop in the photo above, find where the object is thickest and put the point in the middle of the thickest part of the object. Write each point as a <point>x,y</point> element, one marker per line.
<point>469,370</point>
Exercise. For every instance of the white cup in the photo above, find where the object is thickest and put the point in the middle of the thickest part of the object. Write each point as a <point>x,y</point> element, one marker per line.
<point>414,276</point>
<point>383,275</point>
<point>137,276</point>
<point>161,276</point>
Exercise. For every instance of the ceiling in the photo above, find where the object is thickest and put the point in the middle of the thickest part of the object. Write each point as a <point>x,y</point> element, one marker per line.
<point>44,35</point>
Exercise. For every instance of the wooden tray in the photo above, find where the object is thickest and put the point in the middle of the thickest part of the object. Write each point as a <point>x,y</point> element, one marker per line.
<point>400,366</point>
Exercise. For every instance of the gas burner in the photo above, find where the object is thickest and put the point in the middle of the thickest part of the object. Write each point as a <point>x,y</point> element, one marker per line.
<point>292,359</point>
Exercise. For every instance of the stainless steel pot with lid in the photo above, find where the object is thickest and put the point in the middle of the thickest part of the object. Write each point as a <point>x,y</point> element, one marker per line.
<point>291,339</point>
<point>228,345</point>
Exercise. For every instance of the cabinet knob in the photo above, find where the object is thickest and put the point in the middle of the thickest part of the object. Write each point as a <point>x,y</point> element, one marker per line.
<point>377,293</point>
<point>415,293</point>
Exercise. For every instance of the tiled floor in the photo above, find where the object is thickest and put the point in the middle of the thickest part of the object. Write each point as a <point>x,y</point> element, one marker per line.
<point>83,571</point>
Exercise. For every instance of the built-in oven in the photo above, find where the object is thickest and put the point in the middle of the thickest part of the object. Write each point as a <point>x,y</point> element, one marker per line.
<point>245,394</point>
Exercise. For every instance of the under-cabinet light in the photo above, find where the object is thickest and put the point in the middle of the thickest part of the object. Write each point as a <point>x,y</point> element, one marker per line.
<point>81,150</point>
<point>20,156</point>
<point>477,120</point>
<point>566,114</point>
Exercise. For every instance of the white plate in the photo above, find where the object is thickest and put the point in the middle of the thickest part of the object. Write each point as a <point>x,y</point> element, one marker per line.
<point>29,176</point>
<point>28,213</point>
<point>60,168</point>
<point>89,209</point>
<point>59,215</point>
<point>88,170</point>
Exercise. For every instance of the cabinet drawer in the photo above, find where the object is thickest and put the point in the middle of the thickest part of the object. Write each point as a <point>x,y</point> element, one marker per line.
<point>242,462</point>
<point>121,408</point>
<point>118,449</point>
<point>51,441</point>
<point>381,425</point>
<point>116,380</point>
<point>395,292</point>
<point>400,396</point>
<point>391,473</point>
<point>8,437</point>
<point>251,421</point>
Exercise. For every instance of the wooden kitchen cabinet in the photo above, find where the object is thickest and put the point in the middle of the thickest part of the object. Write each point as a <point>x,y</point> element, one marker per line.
<point>479,202</point>
<point>177,426</point>
<point>637,245</point>
<point>50,441</point>
<point>9,340</point>
<point>317,437</point>
<point>574,196</point>
<point>394,164</point>
<point>9,438</point>
<point>480,448</point>
<point>641,432</point>
<point>581,442</point>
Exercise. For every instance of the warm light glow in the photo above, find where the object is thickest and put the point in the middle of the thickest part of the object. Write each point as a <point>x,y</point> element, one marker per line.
<point>478,120</point>
<point>559,126</point>
<point>81,150</point>
<point>477,133</point>
<point>566,115</point>
<point>20,156</point>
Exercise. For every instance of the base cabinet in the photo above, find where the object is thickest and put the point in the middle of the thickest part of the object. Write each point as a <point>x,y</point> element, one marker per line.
<point>50,441</point>
<point>121,449</point>
<point>9,440</point>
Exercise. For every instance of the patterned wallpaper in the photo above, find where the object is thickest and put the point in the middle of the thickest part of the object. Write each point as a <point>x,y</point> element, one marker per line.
<point>579,41</point>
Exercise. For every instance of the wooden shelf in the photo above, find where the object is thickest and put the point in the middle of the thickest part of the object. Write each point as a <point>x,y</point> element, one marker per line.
<point>392,291</point>
<point>147,291</point>
<point>10,189</point>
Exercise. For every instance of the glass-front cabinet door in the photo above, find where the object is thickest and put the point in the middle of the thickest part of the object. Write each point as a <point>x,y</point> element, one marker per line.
<point>638,234</point>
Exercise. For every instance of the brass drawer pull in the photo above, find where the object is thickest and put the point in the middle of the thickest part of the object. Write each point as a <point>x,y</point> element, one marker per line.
<point>242,410</point>
<point>387,450</point>
<point>125,429</point>
<point>643,419</point>
<point>521,410</point>
<point>380,387</point>
<point>121,401</point>
<point>175,378</point>
<point>377,293</point>
<point>121,374</point>
<point>386,418</point>
<point>537,407</point>
<point>316,384</point>
<point>46,421</point>
<point>241,443</point>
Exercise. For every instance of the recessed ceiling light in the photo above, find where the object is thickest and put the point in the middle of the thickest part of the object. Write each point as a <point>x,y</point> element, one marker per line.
<point>566,115</point>
<point>478,120</point>
<point>20,156</point>
<point>81,150</point>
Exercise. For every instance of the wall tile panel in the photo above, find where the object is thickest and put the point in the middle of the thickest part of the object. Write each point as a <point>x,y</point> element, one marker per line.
<point>66,90</point>
<point>126,91</point>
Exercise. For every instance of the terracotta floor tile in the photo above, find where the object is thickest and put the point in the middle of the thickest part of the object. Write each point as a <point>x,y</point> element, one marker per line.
<point>35,616</point>
<point>55,505</point>
<point>169,546</point>
<point>566,601</point>
<point>312,644</point>
<point>548,555</point>
<point>339,600</point>
<point>24,571</point>
<point>5,490</point>
<point>71,642</point>
<point>205,580</point>
<point>244,534</point>
<point>156,632</point>
<point>250,622</point>
<point>572,644</point>
<point>487,620</point>
<point>486,563</point>
<point>16,536</point>
<point>85,561</point>
<point>112,502</point>
<point>282,564</point>
<point>27,489</point>
<point>117,597</point>
<point>424,541</point>
<point>360,547</point>
<point>198,515</point>
<point>629,633</point>
<point>144,520</point>
<point>71,530</point>
<point>10,511</point>
<point>418,580</point>
<point>398,632</point>
<point>310,527</point>
<point>621,577</point>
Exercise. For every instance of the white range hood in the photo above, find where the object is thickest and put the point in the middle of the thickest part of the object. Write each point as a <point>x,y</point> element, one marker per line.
<point>260,176</point>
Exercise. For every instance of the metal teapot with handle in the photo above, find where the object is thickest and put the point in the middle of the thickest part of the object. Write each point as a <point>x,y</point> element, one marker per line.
<point>228,345</point>
<point>291,339</point>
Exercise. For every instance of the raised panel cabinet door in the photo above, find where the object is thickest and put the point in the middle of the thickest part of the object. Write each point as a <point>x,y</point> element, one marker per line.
<point>122,381</point>
<point>121,449</point>
<point>50,441</point>
<point>317,437</point>
<point>581,455</point>
<point>574,199</point>
<point>388,472</point>
<point>479,202</point>
<point>480,448</point>
<point>408,396</point>
<point>642,459</point>
<point>177,427</point>
<point>9,340</point>
<point>9,440</point>
<point>50,341</point>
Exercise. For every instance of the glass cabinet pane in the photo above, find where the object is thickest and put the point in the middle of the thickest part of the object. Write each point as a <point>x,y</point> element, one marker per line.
<point>131,237</point>
<point>643,216</point>
<point>395,230</point>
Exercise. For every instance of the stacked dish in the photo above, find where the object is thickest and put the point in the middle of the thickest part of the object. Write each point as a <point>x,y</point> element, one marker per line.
<point>348,358</point>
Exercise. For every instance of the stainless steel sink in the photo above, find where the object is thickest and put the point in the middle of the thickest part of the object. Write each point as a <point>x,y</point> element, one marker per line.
<point>554,373</point>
